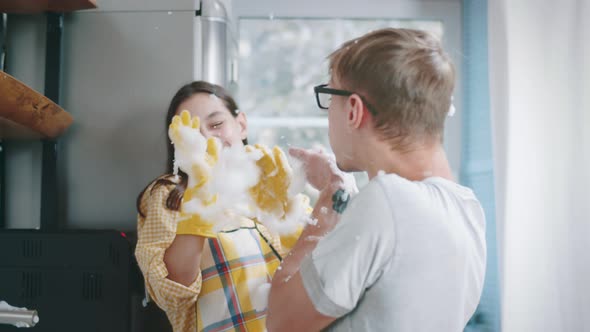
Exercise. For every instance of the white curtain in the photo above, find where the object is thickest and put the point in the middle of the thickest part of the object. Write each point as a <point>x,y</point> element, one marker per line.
<point>539,53</point>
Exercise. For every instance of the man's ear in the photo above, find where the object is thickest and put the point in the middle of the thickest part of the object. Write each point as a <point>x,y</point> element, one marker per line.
<point>356,111</point>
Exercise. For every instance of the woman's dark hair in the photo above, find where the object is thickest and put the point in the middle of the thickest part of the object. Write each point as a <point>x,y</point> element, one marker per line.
<point>175,197</point>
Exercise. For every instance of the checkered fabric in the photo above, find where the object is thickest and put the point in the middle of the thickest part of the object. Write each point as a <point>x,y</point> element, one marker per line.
<point>233,266</point>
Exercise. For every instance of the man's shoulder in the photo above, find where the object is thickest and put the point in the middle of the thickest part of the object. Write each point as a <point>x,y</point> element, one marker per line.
<point>371,193</point>
<point>370,208</point>
<point>390,187</point>
<point>380,193</point>
<point>400,188</point>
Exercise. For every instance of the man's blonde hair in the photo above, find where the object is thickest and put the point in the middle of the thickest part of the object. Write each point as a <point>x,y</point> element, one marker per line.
<point>406,78</point>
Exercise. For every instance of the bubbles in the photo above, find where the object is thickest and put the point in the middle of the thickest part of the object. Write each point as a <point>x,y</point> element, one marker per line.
<point>350,183</point>
<point>245,48</point>
<point>452,109</point>
<point>271,16</point>
<point>260,297</point>
<point>169,13</point>
<point>225,179</point>
<point>313,238</point>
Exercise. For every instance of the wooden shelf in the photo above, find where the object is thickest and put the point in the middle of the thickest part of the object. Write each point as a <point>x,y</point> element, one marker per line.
<point>39,6</point>
<point>27,114</point>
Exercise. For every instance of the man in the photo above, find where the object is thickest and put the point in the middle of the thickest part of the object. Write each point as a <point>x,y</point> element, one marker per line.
<point>407,253</point>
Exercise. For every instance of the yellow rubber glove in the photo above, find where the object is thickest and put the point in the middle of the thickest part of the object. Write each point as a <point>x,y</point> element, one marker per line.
<point>271,192</point>
<point>196,156</point>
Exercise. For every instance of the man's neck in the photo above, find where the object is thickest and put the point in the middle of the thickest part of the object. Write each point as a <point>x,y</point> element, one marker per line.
<point>416,164</point>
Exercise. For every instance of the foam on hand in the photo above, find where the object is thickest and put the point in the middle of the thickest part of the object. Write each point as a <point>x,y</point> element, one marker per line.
<point>190,148</point>
<point>260,297</point>
<point>226,184</point>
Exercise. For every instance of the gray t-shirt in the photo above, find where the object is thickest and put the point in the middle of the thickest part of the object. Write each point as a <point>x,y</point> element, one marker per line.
<point>406,256</point>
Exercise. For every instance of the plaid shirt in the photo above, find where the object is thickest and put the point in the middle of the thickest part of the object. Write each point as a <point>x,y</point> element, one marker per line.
<point>233,265</point>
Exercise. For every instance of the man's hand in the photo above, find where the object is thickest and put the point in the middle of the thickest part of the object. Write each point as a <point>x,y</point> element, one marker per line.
<point>320,168</point>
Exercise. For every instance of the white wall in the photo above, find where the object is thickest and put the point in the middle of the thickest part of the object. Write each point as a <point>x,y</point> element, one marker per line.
<point>540,75</point>
<point>121,70</point>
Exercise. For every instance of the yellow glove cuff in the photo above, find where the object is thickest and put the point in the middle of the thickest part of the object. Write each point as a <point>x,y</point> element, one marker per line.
<point>195,225</point>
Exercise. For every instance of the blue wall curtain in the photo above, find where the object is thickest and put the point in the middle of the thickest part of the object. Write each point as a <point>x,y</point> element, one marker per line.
<point>476,157</point>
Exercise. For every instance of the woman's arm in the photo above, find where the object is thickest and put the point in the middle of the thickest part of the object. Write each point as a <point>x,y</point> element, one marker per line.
<point>159,253</point>
<point>183,258</point>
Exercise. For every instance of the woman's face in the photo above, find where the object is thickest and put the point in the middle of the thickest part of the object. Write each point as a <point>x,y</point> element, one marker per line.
<point>216,119</point>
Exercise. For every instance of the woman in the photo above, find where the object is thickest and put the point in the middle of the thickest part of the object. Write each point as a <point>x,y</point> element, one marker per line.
<point>203,280</point>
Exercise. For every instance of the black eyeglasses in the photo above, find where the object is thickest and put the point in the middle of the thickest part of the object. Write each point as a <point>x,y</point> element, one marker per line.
<point>323,96</point>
